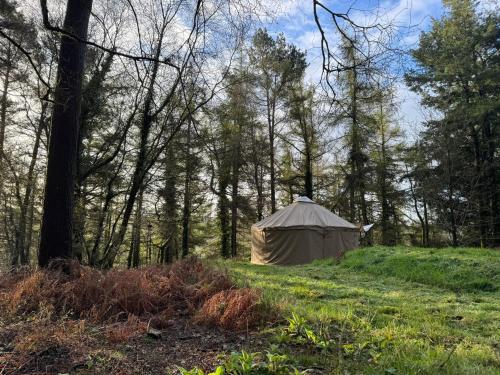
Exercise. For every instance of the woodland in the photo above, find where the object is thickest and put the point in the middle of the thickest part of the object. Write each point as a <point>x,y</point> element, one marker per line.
<point>176,125</point>
<point>140,140</point>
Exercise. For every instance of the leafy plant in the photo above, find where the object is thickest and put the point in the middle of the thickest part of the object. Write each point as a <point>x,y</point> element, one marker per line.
<point>197,371</point>
<point>240,363</point>
<point>296,325</point>
<point>371,347</point>
<point>244,363</point>
<point>300,332</point>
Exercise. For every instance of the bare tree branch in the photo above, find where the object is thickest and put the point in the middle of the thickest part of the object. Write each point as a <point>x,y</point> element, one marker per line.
<point>46,22</point>
<point>27,54</point>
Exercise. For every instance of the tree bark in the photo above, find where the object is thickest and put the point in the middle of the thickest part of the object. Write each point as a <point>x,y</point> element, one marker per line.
<point>490,188</point>
<point>224,225</point>
<point>308,142</point>
<point>235,175</point>
<point>426,223</point>
<point>134,256</point>
<point>170,196</point>
<point>271,129</point>
<point>56,231</point>
<point>24,216</point>
<point>93,254</point>
<point>186,210</point>
<point>417,211</point>
<point>451,204</point>
<point>29,225</point>
<point>387,237</point>
<point>258,174</point>
<point>354,144</point>
<point>3,114</point>
<point>234,201</point>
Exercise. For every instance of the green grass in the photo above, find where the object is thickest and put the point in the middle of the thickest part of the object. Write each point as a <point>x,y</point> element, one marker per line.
<point>406,310</point>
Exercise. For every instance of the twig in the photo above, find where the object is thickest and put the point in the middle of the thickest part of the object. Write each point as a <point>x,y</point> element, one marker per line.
<point>113,51</point>
<point>28,56</point>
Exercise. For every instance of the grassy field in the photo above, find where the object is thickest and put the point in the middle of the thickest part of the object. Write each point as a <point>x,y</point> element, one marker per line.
<point>390,310</point>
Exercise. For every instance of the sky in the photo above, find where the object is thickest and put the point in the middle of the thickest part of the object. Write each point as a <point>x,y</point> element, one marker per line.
<point>296,21</point>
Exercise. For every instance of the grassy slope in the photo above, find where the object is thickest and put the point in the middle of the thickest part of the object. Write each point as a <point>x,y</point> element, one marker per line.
<point>429,311</point>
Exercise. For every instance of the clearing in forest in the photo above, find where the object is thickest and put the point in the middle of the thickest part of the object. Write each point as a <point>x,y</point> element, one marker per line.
<point>379,310</point>
<point>392,310</point>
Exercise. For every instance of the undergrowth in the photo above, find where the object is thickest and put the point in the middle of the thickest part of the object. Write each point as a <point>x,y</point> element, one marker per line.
<point>153,293</point>
<point>258,363</point>
<point>50,320</point>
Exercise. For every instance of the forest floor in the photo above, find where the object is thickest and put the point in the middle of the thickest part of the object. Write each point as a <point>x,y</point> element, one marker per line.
<point>380,310</point>
<point>388,310</point>
<point>152,320</point>
<point>182,345</point>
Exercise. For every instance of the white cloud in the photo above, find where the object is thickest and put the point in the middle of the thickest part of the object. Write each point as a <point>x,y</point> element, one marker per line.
<point>410,112</point>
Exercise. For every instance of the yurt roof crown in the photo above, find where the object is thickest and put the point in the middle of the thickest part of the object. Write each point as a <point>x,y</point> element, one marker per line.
<point>304,213</point>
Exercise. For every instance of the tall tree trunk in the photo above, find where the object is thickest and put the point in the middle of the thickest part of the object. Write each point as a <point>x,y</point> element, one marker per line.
<point>357,162</point>
<point>137,179</point>
<point>4,103</point>
<point>271,129</point>
<point>385,213</point>
<point>224,225</point>
<point>234,205</point>
<point>352,191</point>
<point>362,193</point>
<point>258,177</point>
<point>259,180</point>
<point>451,204</point>
<point>426,223</point>
<point>308,178</point>
<point>308,175</point>
<point>417,211</point>
<point>23,247</point>
<point>234,220</point>
<point>385,207</point>
<point>478,164</point>
<point>104,215</point>
<point>170,230</point>
<point>361,189</point>
<point>186,210</point>
<point>235,180</point>
<point>29,226</point>
<point>134,257</point>
<point>56,231</point>
<point>494,189</point>
<point>140,164</point>
<point>223,209</point>
<point>79,218</point>
<point>355,152</point>
<point>308,137</point>
<point>3,117</point>
<point>273,177</point>
<point>490,189</point>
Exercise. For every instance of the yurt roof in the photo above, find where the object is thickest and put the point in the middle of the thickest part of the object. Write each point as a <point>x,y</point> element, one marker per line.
<point>304,213</point>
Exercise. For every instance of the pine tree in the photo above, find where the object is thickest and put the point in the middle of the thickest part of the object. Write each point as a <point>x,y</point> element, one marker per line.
<point>456,74</point>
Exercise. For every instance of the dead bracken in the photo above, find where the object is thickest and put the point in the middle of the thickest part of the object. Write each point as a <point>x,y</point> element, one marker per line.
<point>50,313</point>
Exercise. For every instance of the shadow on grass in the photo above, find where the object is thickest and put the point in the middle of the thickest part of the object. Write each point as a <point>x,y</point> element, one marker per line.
<point>428,303</point>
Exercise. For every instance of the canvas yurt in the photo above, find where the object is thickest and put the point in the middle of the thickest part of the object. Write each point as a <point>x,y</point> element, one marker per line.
<point>300,233</point>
